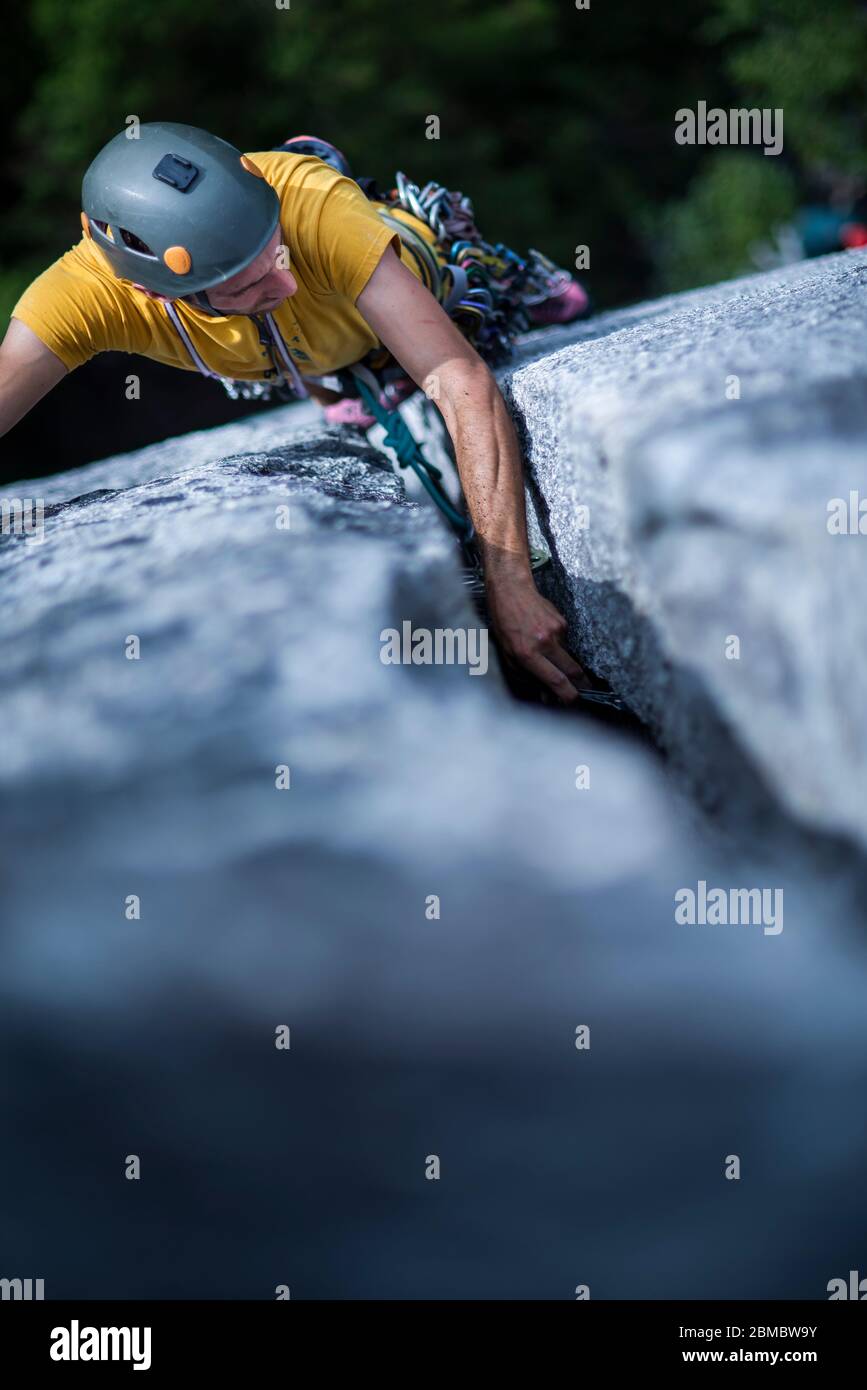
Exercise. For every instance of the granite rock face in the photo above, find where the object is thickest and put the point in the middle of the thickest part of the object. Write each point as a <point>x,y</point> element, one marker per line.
<point>706,436</point>
<point>427,902</point>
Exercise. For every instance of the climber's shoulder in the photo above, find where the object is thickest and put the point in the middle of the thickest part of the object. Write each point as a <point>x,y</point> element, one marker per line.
<point>78,307</point>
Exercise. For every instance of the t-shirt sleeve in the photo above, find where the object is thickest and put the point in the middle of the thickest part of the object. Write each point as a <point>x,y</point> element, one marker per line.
<point>346,240</point>
<point>77,314</point>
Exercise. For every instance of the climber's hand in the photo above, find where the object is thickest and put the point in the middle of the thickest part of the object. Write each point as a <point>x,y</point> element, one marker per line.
<point>530,632</point>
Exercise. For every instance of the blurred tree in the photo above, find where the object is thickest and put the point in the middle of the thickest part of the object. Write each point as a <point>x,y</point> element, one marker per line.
<point>558,122</point>
<point>733,204</point>
<point>809,61</point>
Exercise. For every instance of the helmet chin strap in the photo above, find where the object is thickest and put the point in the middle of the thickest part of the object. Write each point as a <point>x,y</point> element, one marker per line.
<point>200,301</point>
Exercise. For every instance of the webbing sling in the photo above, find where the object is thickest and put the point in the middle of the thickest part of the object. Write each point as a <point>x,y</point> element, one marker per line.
<point>294,374</point>
<point>175,319</point>
<point>288,365</point>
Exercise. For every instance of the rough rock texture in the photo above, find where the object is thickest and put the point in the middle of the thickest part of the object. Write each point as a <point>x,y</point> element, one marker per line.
<point>708,520</point>
<point>411,1035</point>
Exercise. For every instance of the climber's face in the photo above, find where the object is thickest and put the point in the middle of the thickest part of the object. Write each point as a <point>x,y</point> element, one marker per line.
<point>258,289</point>
<point>261,287</point>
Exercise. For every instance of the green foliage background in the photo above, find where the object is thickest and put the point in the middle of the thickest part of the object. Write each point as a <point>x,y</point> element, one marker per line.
<point>559,122</point>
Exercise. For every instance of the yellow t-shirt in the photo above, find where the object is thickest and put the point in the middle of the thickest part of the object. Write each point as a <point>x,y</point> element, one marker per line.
<point>78,307</point>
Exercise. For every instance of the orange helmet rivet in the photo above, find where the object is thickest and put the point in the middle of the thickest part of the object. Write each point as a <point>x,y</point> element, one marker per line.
<point>251,167</point>
<point>178,259</point>
<point>85,224</point>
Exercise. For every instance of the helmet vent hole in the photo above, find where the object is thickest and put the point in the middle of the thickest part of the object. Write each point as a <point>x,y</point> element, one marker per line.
<point>135,243</point>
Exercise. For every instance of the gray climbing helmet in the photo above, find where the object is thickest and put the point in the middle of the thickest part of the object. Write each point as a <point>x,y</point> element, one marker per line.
<point>177,210</point>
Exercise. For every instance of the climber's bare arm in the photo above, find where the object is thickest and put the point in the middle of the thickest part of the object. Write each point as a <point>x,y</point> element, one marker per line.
<point>411,324</point>
<point>28,370</point>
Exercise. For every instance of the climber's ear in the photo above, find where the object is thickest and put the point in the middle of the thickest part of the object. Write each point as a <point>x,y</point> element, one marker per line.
<point>151,294</point>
